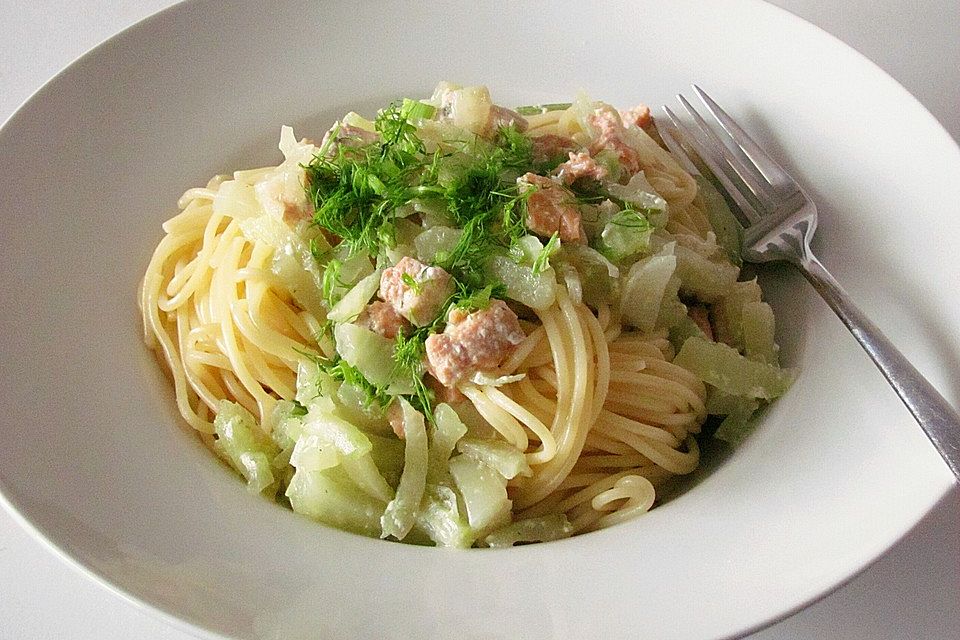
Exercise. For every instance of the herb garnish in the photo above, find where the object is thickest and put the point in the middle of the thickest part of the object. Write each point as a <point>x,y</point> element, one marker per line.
<point>357,187</point>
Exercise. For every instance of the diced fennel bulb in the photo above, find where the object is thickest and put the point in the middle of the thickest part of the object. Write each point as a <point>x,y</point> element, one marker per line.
<point>737,426</point>
<point>401,512</point>
<point>542,529</point>
<point>292,262</point>
<point>536,290</point>
<point>315,388</point>
<point>529,251</point>
<point>313,453</point>
<point>597,275</point>
<point>387,454</point>
<point>364,473</point>
<point>268,230</point>
<point>354,119</point>
<point>405,232</point>
<point>295,152</point>
<point>484,493</point>
<point>283,423</point>
<point>723,367</point>
<point>728,312</point>
<point>334,430</point>
<point>353,302</point>
<point>682,329</point>
<point>469,108</point>
<point>626,234</point>
<point>703,278</point>
<point>440,518</point>
<point>720,403</point>
<point>334,502</point>
<point>502,456</point>
<point>241,442</point>
<point>728,230</point>
<point>302,282</point>
<point>369,352</point>
<point>444,435</point>
<point>237,200</point>
<point>482,378</point>
<point>354,405</point>
<point>641,194</point>
<point>646,288</point>
<point>758,333</point>
<point>436,240</point>
<point>349,270</point>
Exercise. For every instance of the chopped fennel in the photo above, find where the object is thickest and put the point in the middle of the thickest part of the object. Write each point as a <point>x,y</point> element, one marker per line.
<point>440,518</point>
<point>721,366</point>
<point>736,426</point>
<point>646,288</point>
<point>313,453</point>
<point>242,443</point>
<point>524,284</point>
<point>728,231</point>
<point>334,502</point>
<point>728,312</point>
<point>484,492</point>
<point>707,280</point>
<point>365,475</point>
<point>508,461</point>
<point>330,428</point>
<point>758,333</point>
<point>626,234</point>
<point>401,512</point>
<point>444,435</point>
<point>541,529</point>
<point>351,304</point>
<point>238,200</point>
<point>370,353</point>
<point>640,193</point>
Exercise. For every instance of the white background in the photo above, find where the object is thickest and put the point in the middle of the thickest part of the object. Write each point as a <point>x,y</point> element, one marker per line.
<point>912,592</point>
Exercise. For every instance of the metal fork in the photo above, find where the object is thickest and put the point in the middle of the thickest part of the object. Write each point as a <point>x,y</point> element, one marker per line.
<point>778,220</point>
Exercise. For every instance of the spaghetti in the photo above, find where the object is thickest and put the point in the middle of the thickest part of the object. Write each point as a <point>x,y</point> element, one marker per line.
<point>236,304</point>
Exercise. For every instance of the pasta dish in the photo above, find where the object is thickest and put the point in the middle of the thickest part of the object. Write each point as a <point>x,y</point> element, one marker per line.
<point>461,324</point>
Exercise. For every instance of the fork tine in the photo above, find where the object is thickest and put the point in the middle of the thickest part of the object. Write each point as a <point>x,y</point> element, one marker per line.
<point>668,134</point>
<point>738,158</point>
<point>672,138</point>
<point>715,160</point>
<point>758,187</point>
<point>746,148</point>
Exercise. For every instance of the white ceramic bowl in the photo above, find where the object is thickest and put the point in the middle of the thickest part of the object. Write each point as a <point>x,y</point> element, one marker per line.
<point>96,461</point>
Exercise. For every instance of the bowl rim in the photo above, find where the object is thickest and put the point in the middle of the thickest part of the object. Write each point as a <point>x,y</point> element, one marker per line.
<point>168,614</point>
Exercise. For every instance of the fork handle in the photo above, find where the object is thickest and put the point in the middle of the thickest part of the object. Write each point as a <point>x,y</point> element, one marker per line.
<point>938,419</point>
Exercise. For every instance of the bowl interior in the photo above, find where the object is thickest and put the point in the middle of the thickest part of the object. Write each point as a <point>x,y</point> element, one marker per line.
<point>95,457</point>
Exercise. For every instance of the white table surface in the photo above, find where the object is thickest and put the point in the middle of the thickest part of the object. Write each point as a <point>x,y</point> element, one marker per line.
<point>912,592</point>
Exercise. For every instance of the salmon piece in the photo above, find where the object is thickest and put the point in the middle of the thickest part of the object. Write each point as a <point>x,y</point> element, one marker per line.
<point>381,318</point>
<point>580,165</point>
<point>551,208</point>
<point>699,314</point>
<point>638,116</point>
<point>477,341</point>
<point>610,134</point>
<point>549,147</point>
<point>416,291</point>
